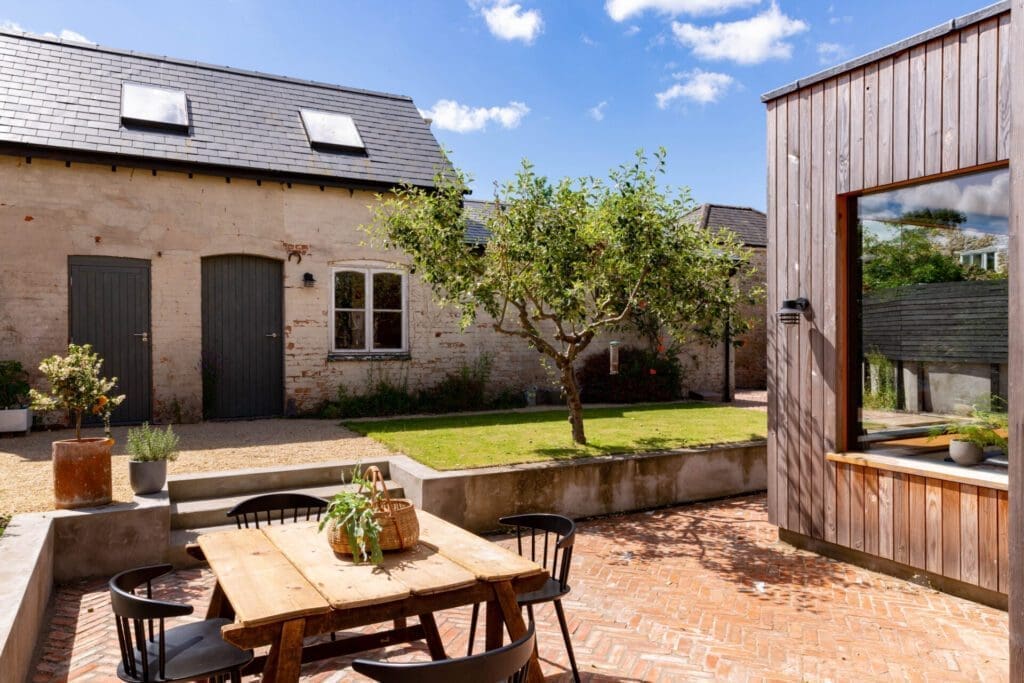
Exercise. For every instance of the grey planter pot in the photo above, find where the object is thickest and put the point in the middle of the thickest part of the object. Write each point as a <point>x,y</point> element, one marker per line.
<point>147,477</point>
<point>965,452</point>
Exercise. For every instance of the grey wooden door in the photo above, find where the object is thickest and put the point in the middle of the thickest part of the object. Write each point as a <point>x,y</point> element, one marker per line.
<point>109,308</point>
<point>243,361</point>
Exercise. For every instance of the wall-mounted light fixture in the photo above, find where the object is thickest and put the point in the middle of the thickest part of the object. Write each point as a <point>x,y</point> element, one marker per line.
<point>308,280</point>
<point>792,309</point>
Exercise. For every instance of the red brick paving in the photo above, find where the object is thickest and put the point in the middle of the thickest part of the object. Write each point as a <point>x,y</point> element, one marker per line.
<point>701,592</point>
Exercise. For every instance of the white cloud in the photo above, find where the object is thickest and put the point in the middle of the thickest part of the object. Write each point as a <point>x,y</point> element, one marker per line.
<point>509,21</point>
<point>65,33</point>
<point>964,194</point>
<point>620,10</point>
<point>587,40</point>
<point>831,53</point>
<point>703,87</point>
<point>451,115</point>
<point>632,31</point>
<point>597,111</point>
<point>749,41</point>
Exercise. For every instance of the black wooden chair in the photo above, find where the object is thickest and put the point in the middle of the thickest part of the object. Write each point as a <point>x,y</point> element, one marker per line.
<point>279,507</point>
<point>509,663</point>
<point>150,653</point>
<point>550,540</point>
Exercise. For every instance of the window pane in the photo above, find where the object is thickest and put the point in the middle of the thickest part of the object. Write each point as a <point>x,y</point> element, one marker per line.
<point>933,308</point>
<point>349,289</point>
<point>150,104</point>
<point>387,330</point>
<point>387,291</point>
<point>349,330</point>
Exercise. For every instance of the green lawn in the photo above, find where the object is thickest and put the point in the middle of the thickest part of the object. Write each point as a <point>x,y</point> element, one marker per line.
<point>455,442</point>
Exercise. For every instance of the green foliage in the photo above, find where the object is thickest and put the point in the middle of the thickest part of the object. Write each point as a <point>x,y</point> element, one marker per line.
<point>567,259</point>
<point>463,390</point>
<point>77,386</point>
<point>986,428</point>
<point>14,389</point>
<point>882,396</point>
<point>147,444</point>
<point>913,258</point>
<point>4,521</point>
<point>354,512</point>
<point>644,376</point>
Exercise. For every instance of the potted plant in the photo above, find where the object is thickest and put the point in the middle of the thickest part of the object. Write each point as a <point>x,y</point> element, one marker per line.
<point>81,467</point>
<point>366,522</point>
<point>149,449</point>
<point>15,415</point>
<point>974,441</point>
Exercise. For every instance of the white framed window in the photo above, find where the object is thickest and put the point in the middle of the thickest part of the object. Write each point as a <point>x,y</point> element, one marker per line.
<point>369,309</point>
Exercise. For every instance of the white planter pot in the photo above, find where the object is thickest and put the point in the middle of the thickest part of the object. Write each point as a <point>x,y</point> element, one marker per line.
<point>16,420</point>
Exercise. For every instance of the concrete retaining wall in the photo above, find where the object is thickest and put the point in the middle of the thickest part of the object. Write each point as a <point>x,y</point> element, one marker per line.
<point>26,581</point>
<point>475,499</point>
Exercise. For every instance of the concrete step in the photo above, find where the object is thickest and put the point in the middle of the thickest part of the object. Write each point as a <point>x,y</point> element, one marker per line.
<point>204,513</point>
<point>205,485</point>
<point>180,538</point>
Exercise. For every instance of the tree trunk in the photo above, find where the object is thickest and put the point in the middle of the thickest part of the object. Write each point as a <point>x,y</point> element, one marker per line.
<point>78,425</point>
<point>572,399</point>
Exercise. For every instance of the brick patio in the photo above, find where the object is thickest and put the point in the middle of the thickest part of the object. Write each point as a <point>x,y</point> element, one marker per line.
<point>701,592</point>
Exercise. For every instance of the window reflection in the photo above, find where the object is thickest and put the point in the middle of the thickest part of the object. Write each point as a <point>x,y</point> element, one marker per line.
<point>152,105</point>
<point>933,315</point>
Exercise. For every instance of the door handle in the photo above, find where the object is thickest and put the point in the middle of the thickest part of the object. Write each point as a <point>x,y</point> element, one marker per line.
<point>144,335</point>
<point>272,335</point>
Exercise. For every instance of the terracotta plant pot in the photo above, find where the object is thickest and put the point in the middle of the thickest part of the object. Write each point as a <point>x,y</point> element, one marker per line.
<point>81,473</point>
<point>965,452</point>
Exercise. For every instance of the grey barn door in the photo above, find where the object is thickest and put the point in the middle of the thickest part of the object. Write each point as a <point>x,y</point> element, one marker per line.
<point>242,337</point>
<point>109,308</point>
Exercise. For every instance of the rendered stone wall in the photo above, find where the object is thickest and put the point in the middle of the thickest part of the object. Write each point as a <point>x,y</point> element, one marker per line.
<point>751,357</point>
<point>49,211</point>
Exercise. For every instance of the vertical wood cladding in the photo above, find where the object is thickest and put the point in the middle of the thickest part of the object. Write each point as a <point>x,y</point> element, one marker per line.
<point>937,107</point>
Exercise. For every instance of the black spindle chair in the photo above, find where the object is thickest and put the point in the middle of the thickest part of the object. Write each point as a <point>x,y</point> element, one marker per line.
<point>151,653</point>
<point>277,507</point>
<point>548,540</point>
<point>509,663</point>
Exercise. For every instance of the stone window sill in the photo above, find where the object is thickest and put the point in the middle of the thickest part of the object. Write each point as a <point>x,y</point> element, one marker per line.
<point>405,355</point>
<point>987,476</point>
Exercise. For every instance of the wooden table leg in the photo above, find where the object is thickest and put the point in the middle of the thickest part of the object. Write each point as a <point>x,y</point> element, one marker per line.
<point>495,626</point>
<point>515,624</point>
<point>432,636</point>
<point>219,606</point>
<point>284,661</point>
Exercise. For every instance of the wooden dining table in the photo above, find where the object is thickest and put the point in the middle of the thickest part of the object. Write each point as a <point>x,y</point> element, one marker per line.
<point>283,584</point>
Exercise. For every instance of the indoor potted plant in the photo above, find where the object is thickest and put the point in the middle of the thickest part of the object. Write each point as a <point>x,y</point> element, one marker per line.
<point>15,415</point>
<point>81,467</point>
<point>149,449</point>
<point>974,441</point>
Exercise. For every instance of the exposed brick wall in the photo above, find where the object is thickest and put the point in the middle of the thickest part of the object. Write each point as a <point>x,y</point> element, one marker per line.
<point>751,369</point>
<point>174,221</point>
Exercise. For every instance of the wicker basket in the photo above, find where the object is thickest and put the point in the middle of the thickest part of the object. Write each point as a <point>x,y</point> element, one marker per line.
<point>399,526</point>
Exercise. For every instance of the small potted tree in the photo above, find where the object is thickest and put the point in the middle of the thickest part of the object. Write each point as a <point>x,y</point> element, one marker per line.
<point>149,449</point>
<point>15,415</point>
<point>81,467</point>
<point>974,441</point>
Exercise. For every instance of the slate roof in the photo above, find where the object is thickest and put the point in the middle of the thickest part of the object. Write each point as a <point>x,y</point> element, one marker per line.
<point>477,213</point>
<point>750,225</point>
<point>64,95</point>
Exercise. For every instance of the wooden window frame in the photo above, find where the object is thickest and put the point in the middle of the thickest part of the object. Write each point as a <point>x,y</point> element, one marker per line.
<point>848,391</point>
<point>368,271</point>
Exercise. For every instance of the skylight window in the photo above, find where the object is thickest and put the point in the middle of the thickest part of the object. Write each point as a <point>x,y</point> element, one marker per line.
<point>330,130</point>
<point>150,105</point>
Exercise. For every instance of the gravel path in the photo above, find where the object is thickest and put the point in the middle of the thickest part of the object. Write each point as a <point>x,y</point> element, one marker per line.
<point>26,476</point>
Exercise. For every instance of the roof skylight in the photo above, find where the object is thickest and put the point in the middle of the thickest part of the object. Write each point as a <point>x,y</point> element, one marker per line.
<point>330,130</point>
<point>150,105</point>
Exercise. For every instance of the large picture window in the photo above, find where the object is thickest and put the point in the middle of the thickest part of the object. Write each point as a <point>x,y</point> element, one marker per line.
<point>369,310</point>
<point>930,326</point>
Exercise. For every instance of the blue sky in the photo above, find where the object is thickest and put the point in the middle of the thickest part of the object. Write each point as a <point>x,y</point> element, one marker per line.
<point>575,86</point>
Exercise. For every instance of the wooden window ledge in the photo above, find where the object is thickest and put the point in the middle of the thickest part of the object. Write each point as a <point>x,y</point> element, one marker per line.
<point>979,475</point>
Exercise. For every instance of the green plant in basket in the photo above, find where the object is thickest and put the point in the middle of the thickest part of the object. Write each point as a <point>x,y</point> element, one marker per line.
<point>354,512</point>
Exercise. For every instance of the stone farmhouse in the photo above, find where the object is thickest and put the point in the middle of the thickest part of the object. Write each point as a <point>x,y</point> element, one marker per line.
<point>200,226</point>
